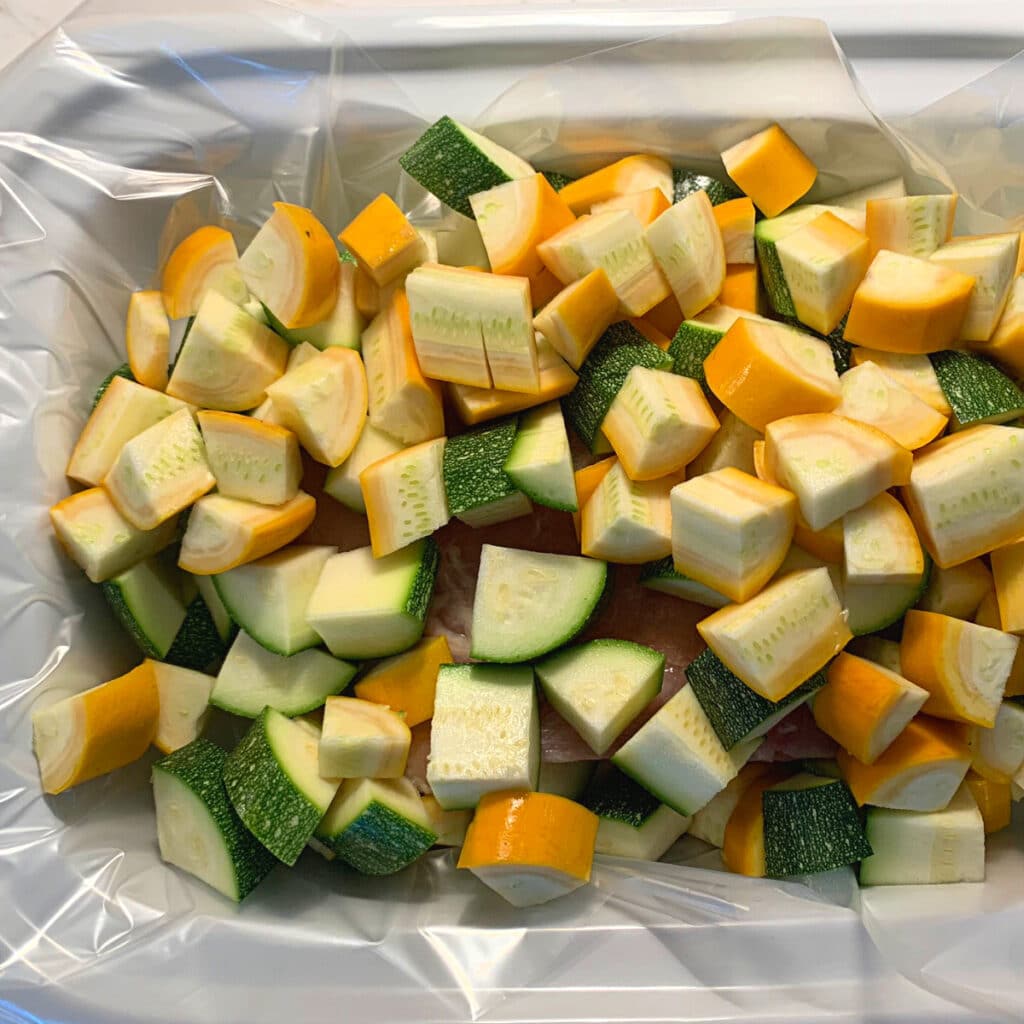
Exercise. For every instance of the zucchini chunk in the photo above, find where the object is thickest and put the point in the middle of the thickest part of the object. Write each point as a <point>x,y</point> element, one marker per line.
<point>566,778</point>
<point>343,325</point>
<point>386,246</point>
<point>362,740</point>
<point>977,391</point>
<point>477,488</point>
<point>710,822</point>
<point>880,544</point>
<point>627,521</point>
<point>770,168</point>
<point>342,482</point>
<point>686,181</point>
<point>147,601</point>
<point>539,462</point>
<point>485,734</point>
<point>184,699</point>
<point>743,850</point>
<point>694,339</point>
<point>910,225</point>
<point>662,577</point>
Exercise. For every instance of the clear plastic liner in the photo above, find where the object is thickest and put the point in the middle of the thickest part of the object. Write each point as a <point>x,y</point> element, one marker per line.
<point>121,133</point>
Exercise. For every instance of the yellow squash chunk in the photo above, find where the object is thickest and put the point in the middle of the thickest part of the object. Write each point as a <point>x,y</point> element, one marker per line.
<point>761,371</point>
<point>402,402</point>
<point>966,493</point>
<point>988,615</point>
<point>833,465</point>
<point>366,294</point>
<point>864,706</point>
<point>99,539</point>
<point>292,267</point>
<point>125,410</point>
<point>578,315</point>
<point>743,843</point>
<point>624,177</point>
<point>710,822</point>
<point>914,372</point>
<point>530,847</point>
<point>615,241</point>
<point>905,304</point>
<point>666,316</point>
<point>384,243</point>
<point>342,482</point>
<point>301,353</point>
<point>880,544</point>
<point>404,496</point>
<point>770,168</point>
<point>627,521</point>
<point>740,287</point>
<point>735,220</point>
<point>324,403</point>
<point>687,245</point>
<point>148,339</point>
<point>205,261</point>
<point>344,325</point>
<point>1008,577</point>
<point>586,480</point>
<point>826,543</point>
<point>225,532</point>
<point>992,261</point>
<point>778,639</point>
<point>921,770</point>
<point>998,753</point>
<point>160,472</point>
<point>476,405</point>
<point>658,422</point>
<point>647,206</point>
<point>95,732</point>
<point>963,666</point>
<point>362,740</point>
<point>1007,342</point>
<point>958,591</point>
<point>993,800</point>
<point>184,699</point>
<point>871,396</point>
<point>251,459</point>
<point>228,359</point>
<point>909,225</point>
<point>731,531</point>
<point>732,445</point>
<point>406,682</point>
<point>514,218</point>
<point>543,288</point>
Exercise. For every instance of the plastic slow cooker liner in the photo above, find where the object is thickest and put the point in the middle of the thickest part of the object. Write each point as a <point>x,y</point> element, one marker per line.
<point>118,135</point>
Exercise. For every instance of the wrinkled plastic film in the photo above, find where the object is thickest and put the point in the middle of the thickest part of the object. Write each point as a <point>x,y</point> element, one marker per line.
<point>139,131</point>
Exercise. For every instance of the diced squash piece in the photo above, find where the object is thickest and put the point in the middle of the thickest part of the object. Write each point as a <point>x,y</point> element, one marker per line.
<point>711,821</point>
<point>998,753</point>
<point>921,769</point>
<point>910,225</point>
<point>958,591</point>
<point>342,482</point>
<point>914,372</point>
<point>770,168</point>
<point>743,837</point>
<point>473,328</point>
<point>627,176</point>
<point>225,532</point>
<point>740,287</point>
<point>366,295</point>
<point>514,218</point>
<point>666,316</point>
<point>92,733</point>
<point>761,371</point>
<point>148,339</point>
<point>627,521</point>
<point>966,493</point>
<point>250,459</point>
<point>685,181</point>
<point>782,636</point>
<point>735,220</point>
<point>658,423</point>
<point>1008,578</point>
<point>614,241</point>
<point>962,665</point>
<point>292,267</point>
<point>124,410</point>
<point>731,531</point>
<point>905,304</point>
<point>228,359</point>
<point>732,445</point>
<point>586,480</point>
<point>540,461</point>
<point>207,260</point>
<point>833,465</point>
<point>1007,342</point>
<point>385,245</point>
<point>406,682</point>
<point>647,205</point>
<point>880,544</point>
<point>344,324</point>
<point>404,496</point>
<point>827,543</point>
<point>871,396</point>
<point>992,261</point>
<point>687,245</point>
<point>402,402</point>
<point>578,315</point>
<point>543,288</point>
<point>977,390</point>
<point>324,403</point>
<point>662,577</point>
<point>864,706</point>
<point>361,740</point>
<point>530,847</point>
<point>993,800</point>
<point>823,262</point>
<point>160,472</point>
<point>183,697</point>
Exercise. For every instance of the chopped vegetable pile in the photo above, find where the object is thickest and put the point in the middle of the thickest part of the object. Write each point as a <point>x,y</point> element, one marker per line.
<point>803,418</point>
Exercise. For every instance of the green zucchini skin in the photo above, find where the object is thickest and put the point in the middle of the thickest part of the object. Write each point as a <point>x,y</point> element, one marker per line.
<point>473,466</point>
<point>557,180</point>
<point>618,797</point>
<point>692,343</point>
<point>976,389</point>
<point>841,348</point>
<point>685,182</point>
<point>198,643</point>
<point>381,841</point>
<point>124,370</point>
